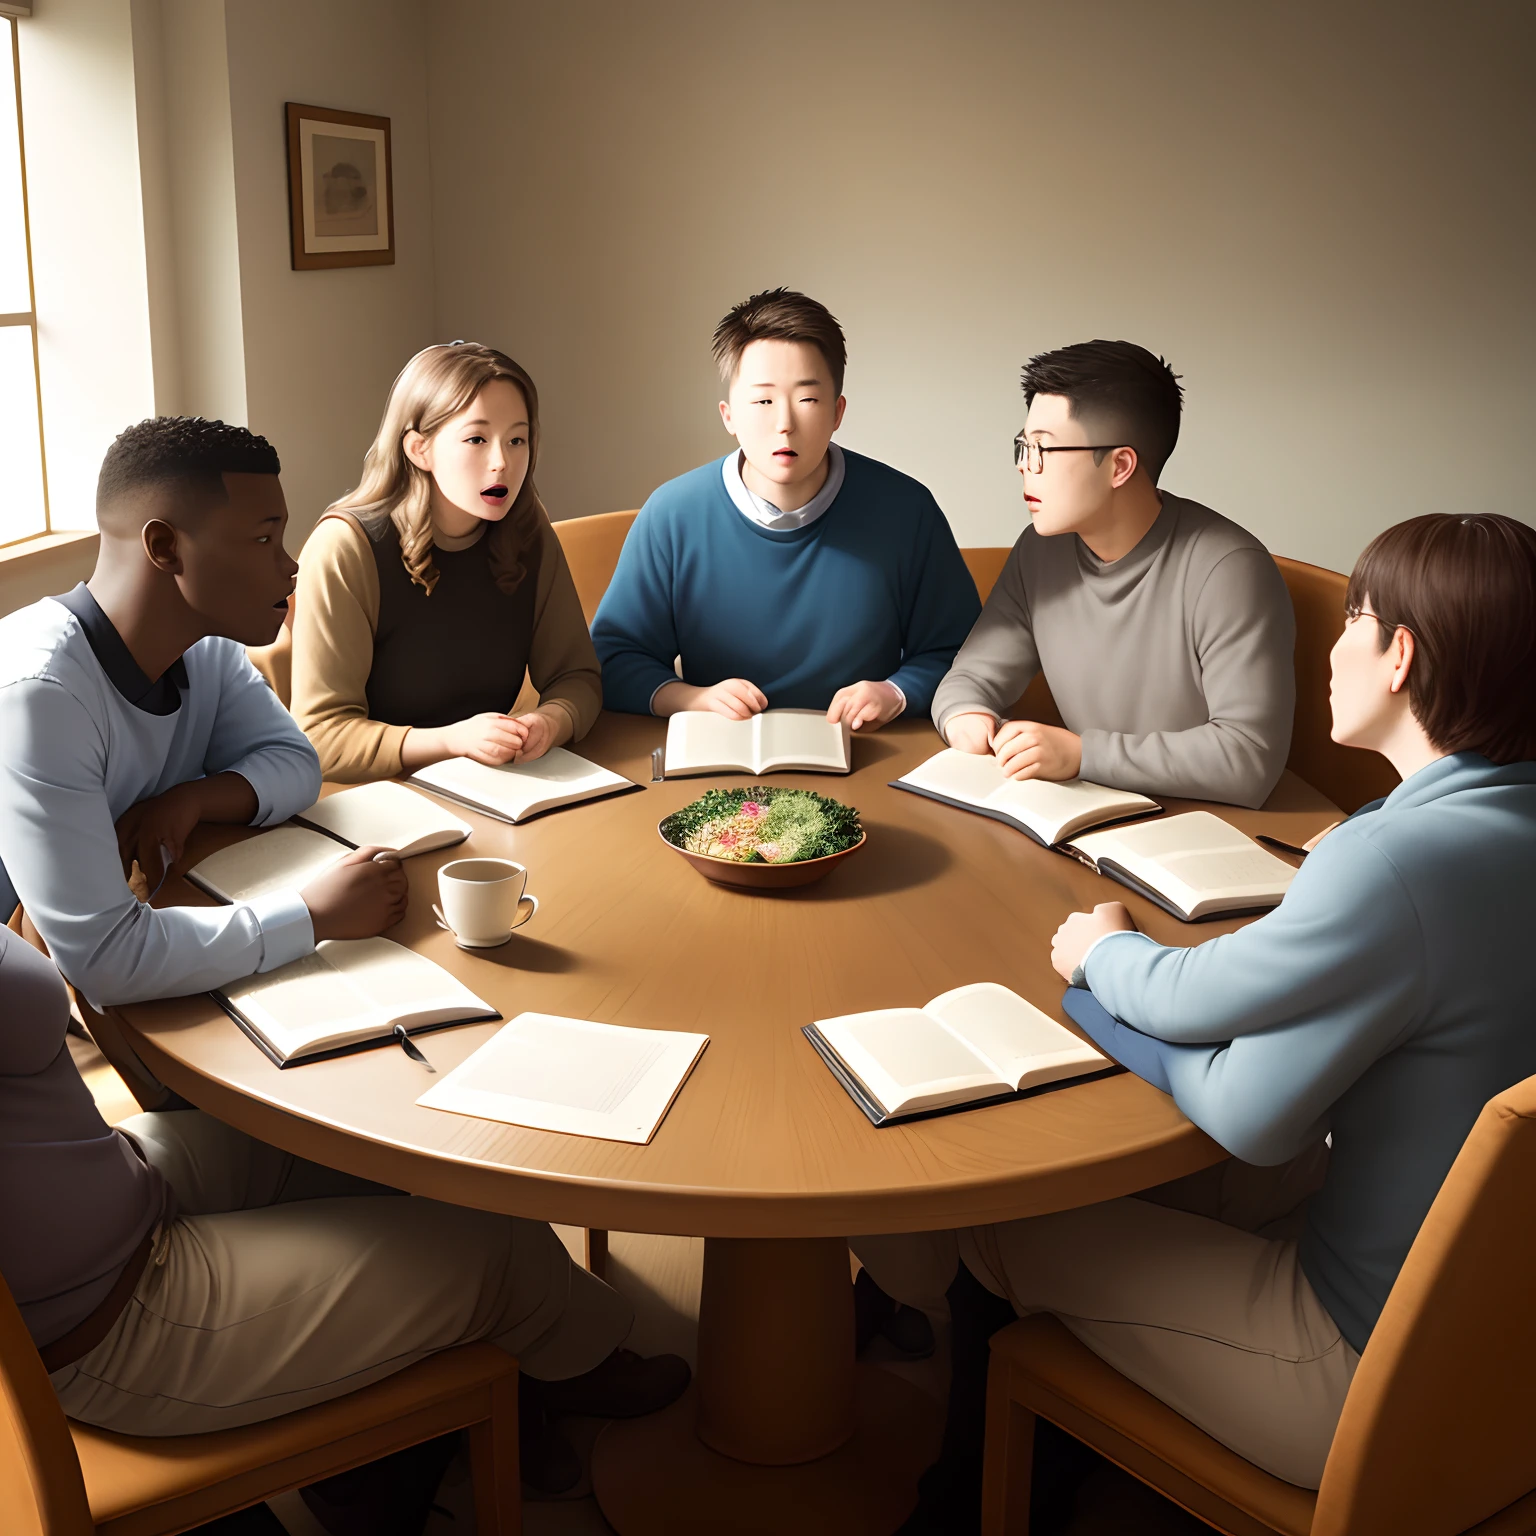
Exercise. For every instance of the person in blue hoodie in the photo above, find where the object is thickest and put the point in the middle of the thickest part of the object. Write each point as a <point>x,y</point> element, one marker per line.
<point>1339,1048</point>
<point>791,574</point>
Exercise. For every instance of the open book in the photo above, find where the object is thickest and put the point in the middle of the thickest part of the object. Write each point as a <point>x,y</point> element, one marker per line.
<point>700,741</point>
<point>975,1045</point>
<point>1195,866</point>
<point>516,791</point>
<point>570,1075</point>
<point>1049,812</point>
<point>287,858</point>
<point>348,995</point>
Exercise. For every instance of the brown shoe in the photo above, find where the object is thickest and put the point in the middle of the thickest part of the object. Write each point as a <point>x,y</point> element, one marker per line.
<point>624,1386</point>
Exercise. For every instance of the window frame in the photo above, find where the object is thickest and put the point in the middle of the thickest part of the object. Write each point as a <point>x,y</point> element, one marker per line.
<point>27,317</point>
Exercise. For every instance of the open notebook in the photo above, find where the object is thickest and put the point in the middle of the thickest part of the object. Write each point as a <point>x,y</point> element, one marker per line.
<point>975,1045</point>
<point>347,996</point>
<point>516,791</point>
<point>1047,811</point>
<point>287,858</point>
<point>571,1075</point>
<point>700,741</point>
<point>1194,865</point>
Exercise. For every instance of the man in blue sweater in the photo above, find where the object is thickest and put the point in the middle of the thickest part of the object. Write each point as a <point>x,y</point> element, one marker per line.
<point>792,573</point>
<point>1380,1006</point>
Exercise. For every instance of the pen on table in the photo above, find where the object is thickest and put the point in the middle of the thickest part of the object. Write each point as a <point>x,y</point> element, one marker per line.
<point>1275,842</point>
<point>411,1049</point>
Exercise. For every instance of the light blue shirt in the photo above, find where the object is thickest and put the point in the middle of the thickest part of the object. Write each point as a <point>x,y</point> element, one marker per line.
<point>78,752</point>
<point>1385,1001</point>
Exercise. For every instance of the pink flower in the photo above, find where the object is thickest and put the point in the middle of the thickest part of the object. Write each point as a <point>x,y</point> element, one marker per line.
<point>751,808</point>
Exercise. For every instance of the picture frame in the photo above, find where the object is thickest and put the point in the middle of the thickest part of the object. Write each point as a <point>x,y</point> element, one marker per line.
<point>341,195</point>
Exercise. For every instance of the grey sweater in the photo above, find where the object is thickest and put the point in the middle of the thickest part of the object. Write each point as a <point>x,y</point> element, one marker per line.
<point>1173,663</point>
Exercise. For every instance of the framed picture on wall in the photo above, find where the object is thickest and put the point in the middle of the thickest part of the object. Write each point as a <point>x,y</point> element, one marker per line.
<point>340,192</point>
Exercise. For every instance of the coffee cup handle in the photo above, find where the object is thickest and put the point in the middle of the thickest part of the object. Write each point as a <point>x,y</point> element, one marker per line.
<point>531,902</point>
<point>442,922</point>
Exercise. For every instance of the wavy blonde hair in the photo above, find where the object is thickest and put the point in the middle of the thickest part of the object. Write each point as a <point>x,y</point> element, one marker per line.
<point>436,385</point>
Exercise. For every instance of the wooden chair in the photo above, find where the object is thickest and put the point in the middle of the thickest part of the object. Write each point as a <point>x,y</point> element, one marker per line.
<point>59,1478</point>
<point>1348,776</point>
<point>1436,1435</point>
<point>592,546</point>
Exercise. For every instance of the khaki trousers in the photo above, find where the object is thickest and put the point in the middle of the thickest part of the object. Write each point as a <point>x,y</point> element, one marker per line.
<point>281,1284</point>
<point>1191,1290</point>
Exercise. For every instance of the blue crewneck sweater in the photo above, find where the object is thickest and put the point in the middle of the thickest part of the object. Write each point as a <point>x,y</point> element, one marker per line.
<point>874,589</point>
<point>1386,1000</point>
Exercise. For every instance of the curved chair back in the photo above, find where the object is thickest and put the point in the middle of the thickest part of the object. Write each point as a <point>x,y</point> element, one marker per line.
<point>592,546</point>
<point>41,1487</point>
<point>1436,1433</point>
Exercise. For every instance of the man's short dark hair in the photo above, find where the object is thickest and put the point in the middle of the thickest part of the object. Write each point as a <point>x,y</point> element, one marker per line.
<point>186,451</point>
<point>1465,588</point>
<point>780,314</point>
<point>1119,391</point>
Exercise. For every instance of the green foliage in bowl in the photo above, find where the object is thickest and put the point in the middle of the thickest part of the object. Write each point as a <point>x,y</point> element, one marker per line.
<point>763,825</point>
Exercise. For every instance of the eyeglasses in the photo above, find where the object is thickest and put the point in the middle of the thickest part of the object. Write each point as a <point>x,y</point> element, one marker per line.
<point>1035,452</point>
<point>1352,613</point>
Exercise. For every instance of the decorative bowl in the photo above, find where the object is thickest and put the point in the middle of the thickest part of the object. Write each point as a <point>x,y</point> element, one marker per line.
<point>764,877</point>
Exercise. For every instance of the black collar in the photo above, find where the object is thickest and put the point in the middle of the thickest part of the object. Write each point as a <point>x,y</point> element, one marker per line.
<point>161,697</point>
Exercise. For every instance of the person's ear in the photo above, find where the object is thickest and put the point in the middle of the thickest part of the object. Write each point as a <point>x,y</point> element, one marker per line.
<point>418,449</point>
<point>725,416</point>
<point>837,415</point>
<point>1122,465</point>
<point>162,544</point>
<point>1401,650</point>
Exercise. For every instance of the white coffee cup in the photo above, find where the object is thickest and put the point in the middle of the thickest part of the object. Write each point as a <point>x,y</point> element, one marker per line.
<point>483,901</point>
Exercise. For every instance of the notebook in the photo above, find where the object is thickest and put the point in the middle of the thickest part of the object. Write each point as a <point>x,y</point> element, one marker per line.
<point>700,741</point>
<point>516,791</point>
<point>1047,811</point>
<point>287,858</point>
<point>1195,866</point>
<point>980,1044</point>
<point>347,996</point>
<point>570,1075</point>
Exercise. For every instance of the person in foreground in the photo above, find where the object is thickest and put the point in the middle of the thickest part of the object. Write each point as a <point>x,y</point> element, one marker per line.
<point>1164,631</point>
<point>427,593</point>
<point>792,574</point>
<point>1379,1007</point>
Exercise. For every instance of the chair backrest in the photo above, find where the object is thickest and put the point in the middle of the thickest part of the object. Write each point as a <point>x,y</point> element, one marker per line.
<point>1348,776</point>
<point>41,1489</point>
<point>1437,1432</point>
<point>592,546</point>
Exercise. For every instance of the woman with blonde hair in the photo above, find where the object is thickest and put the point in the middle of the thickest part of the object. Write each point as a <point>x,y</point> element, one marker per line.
<point>427,593</point>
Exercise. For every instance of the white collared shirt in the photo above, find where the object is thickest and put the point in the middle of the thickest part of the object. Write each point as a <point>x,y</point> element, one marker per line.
<point>757,510</point>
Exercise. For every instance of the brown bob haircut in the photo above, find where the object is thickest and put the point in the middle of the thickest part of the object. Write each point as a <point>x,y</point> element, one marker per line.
<point>780,314</point>
<point>1465,588</point>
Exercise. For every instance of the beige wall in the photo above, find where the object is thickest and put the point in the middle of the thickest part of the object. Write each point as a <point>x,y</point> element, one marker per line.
<point>322,347</point>
<point>1319,213</point>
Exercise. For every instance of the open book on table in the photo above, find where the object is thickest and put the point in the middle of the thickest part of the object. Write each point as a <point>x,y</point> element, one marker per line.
<point>979,1044</point>
<point>700,741</point>
<point>382,815</point>
<point>571,1075</point>
<point>516,791</point>
<point>1194,865</point>
<point>1047,811</point>
<point>347,996</point>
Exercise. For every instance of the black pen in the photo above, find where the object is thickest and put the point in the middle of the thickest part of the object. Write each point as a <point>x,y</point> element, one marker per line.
<point>1275,842</point>
<point>411,1049</point>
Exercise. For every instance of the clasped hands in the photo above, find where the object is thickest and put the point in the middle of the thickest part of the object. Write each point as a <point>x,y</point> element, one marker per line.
<point>1024,748</point>
<point>358,897</point>
<point>859,704</point>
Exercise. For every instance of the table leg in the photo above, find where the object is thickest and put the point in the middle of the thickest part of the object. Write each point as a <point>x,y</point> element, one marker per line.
<point>781,1429</point>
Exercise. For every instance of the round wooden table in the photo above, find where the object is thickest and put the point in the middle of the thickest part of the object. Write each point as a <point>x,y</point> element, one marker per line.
<point>762,1153</point>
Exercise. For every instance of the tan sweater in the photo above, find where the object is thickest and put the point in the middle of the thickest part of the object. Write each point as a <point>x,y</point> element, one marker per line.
<point>336,613</point>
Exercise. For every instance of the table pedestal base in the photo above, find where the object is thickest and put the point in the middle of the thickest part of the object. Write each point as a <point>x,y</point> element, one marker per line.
<point>655,1477</point>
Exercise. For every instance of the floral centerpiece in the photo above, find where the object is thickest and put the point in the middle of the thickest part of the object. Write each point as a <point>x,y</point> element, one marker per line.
<point>763,825</point>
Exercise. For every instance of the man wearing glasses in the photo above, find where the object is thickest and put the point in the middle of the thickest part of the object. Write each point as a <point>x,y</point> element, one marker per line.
<point>1164,631</point>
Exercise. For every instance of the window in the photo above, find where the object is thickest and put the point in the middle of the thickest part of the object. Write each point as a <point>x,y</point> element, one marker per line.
<point>23,479</point>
